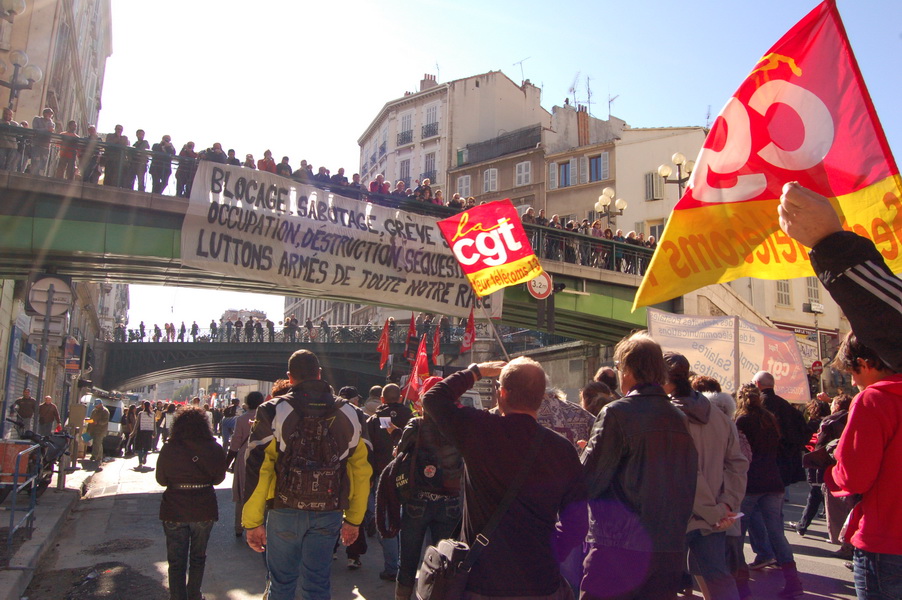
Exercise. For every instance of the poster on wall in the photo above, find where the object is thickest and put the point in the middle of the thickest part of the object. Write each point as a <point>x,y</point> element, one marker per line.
<point>263,227</point>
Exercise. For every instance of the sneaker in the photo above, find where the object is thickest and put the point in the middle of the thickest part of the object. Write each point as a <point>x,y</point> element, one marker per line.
<point>848,564</point>
<point>760,563</point>
<point>386,576</point>
<point>795,527</point>
<point>354,563</point>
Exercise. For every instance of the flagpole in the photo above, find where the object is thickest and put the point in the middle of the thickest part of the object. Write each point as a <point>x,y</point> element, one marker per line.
<point>494,331</point>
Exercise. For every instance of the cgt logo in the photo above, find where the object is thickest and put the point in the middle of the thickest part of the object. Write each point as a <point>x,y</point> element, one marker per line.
<point>489,244</point>
<point>733,173</point>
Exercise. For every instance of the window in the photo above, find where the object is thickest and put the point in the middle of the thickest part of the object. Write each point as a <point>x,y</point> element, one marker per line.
<point>783,296</point>
<point>599,167</point>
<point>657,230</point>
<point>523,173</point>
<point>404,172</point>
<point>563,179</point>
<point>490,181</point>
<point>405,135</point>
<point>814,292</point>
<point>654,186</point>
<point>431,127</point>
<point>429,171</point>
<point>463,185</point>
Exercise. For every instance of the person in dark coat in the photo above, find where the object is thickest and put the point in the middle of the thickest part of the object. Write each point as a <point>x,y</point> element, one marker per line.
<point>189,465</point>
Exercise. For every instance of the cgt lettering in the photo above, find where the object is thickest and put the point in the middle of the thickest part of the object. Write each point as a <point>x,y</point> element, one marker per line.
<point>490,247</point>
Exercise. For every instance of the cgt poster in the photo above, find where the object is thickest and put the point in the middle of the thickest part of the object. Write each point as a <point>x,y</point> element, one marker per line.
<point>732,350</point>
<point>260,226</point>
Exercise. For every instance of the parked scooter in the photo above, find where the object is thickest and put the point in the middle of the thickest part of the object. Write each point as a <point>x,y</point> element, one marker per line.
<point>53,447</point>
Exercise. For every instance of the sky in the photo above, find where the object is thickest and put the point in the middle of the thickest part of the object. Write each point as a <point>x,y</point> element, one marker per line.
<point>305,79</point>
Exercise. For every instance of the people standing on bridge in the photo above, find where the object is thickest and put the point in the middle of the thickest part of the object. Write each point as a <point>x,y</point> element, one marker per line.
<point>161,164</point>
<point>258,329</point>
<point>271,330</point>
<point>65,166</point>
<point>214,331</point>
<point>184,173</point>
<point>301,528</point>
<point>43,127</point>
<point>325,335</point>
<point>141,330</point>
<point>249,328</point>
<point>267,163</point>
<point>89,157</point>
<point>189,466</point>
<point>228,329</point>
<point>182,331</point>
<point>157,333</point>
<point>137,162</point>
<point>9,144</point>
<point>114,163</point>
<point>311,334</point>
<point>239,328</point>
<point>48,416</point>
<point>194,331</point>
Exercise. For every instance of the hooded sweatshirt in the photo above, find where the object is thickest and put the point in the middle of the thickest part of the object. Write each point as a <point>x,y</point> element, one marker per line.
<point>721,465</point>
<point>869,462</point>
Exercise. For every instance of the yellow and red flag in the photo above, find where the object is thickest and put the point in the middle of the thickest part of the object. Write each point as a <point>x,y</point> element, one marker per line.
<point>803,114</point>
<point>491,246</point>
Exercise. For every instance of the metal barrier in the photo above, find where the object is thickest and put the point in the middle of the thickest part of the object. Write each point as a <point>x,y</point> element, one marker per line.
<point>18,481</point>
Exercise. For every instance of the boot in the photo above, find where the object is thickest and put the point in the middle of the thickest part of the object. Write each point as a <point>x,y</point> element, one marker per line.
<point>793,587</point>
<point>403,592</point>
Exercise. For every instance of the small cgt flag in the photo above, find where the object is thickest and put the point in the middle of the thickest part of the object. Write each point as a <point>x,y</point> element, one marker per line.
<point>803,114</point>
<point>384,346</point>
<point>466,344</point>
<point>489,243</point>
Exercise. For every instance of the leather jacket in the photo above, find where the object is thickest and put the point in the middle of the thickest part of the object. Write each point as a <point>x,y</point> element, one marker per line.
<point>641,469</point>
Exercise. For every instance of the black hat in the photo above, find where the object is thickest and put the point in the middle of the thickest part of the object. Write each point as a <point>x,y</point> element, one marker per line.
<point>348,392</point>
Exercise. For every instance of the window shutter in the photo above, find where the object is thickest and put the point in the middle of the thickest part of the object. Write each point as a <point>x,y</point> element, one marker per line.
<point>552,176</point>
<point>574,173</point>
<point>584,169</point>
<point>605,166</point>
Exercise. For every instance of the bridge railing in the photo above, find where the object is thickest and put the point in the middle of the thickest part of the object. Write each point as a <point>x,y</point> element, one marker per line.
<point>515,338</point>
<point>126,167</point>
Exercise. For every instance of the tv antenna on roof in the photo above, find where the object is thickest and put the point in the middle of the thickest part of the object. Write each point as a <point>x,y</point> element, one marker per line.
<point>520,62</point>
<point>610,102</point>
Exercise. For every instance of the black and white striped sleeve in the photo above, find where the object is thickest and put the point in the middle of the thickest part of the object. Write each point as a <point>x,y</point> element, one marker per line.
<point>870,295</point>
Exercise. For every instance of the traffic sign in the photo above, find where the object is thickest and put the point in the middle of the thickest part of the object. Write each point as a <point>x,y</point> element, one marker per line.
<point>540,287</point>
<point>817,367</point>
<point>39,296</point>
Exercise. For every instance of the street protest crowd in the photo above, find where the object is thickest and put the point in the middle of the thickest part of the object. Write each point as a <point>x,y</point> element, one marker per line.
<point>658,477</point>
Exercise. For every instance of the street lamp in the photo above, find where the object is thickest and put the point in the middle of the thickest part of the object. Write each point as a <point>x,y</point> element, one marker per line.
<point>682,165</point>
<point>603,206</point>
<point>10,9</point>
<point>24,75</point>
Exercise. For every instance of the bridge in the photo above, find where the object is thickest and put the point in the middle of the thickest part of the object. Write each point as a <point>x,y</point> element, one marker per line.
<point>90,232</point>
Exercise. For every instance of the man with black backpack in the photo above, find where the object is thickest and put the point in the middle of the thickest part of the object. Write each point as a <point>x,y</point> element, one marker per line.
<point>309,448</point>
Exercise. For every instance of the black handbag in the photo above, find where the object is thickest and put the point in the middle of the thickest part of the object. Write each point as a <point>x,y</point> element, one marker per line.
<point>446,565</point>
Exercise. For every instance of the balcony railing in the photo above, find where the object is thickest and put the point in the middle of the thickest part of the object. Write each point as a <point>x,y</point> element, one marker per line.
<point>430,130</point>
<point>430,175</point>
<point>405,137</point>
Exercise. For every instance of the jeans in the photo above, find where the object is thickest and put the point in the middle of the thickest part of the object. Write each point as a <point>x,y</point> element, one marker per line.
<point>299,543</point>
<point>770,508</point>
<point>186,541</point>
<point>708,560</point>
<point>439,517</point>
<point>877,576</point>
<point>391,547</point>
<point>815,499</point>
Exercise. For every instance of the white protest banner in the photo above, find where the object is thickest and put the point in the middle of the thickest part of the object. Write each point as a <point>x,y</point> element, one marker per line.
<point>260,226</point>
<point>712,345</point>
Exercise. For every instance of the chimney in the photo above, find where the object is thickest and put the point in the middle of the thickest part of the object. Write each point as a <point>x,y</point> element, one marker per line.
<point>582,126</point>
<point>427,82</point>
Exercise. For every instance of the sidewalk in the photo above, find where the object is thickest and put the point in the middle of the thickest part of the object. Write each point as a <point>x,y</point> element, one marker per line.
<point>52,509</point>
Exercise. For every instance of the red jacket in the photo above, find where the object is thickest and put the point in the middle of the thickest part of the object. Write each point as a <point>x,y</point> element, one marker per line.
<point>266,164</point>
<point>869,462</point>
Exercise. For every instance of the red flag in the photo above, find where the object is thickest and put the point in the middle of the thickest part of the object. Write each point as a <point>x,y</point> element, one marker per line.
<point>436,349</point>
<point>383,346</point>
<point>466,344</point>
<point>411,335</point>
<point>418,375</point>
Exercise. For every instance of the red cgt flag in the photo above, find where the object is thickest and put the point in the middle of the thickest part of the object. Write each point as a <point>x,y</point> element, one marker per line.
<point>491,246</point>
<point>436,340</point>
<point>418,375</point>
<point>411,336</point>
<point>803,114</point>
<point>384,346</point>
<point>466,344</point>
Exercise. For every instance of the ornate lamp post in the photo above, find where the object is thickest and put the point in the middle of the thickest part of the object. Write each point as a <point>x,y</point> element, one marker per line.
<point>24,75</point>
<point>603,206</point>
<point>10,9</point>
<point>682,165</point>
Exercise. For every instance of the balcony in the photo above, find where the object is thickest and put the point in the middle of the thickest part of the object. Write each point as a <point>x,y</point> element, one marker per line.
<point>430,175</point>
<point>405,137</point>
<point>430,130</point>
<point>382,149</point>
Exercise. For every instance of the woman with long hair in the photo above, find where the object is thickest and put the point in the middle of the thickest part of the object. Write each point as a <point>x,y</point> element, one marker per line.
<point>144,424</point>
<point>166,421</point>
<point>815,412</point>
<point>189,465</point>
<point>764,490</point>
